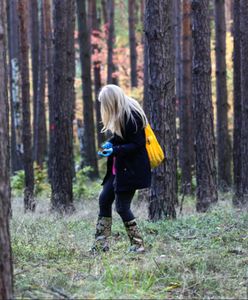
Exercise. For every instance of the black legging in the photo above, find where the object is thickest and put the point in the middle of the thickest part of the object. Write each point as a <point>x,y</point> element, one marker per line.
<point>122,201</point>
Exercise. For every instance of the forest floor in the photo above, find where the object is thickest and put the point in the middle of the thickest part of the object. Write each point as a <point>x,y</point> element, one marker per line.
<point>203,256</point>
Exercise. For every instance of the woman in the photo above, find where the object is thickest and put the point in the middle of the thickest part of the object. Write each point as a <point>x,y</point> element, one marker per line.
<point>128,166</point>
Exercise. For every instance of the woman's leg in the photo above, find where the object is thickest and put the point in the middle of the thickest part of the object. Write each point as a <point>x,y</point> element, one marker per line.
<point>123,205</point>
<point>104,222</point>
<point>107,198</point>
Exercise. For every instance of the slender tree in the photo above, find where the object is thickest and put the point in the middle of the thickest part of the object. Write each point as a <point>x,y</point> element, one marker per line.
<point>96,52</point>
<point>237,161</point>
<point>62,174</point>
<point>244,97</point>
<point>161,92</point>
<point>186,133</point>
<point>132,42</point>
<point>40,134</point>
<point>29,202</point>
<point>104,11</point>
<point>223,140</point>
<point>89,129</point>
<point>35,43</point>
<point>6,272</point>
<point>49,67</point>
<point>177,18</point>
<point>202,107</point>
<point>15,99</point>
<point>110,42</point>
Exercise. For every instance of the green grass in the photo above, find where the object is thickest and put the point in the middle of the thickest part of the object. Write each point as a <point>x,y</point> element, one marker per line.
<point>195,256</point>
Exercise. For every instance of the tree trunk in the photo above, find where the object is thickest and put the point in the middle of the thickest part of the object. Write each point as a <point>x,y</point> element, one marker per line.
<point>15,102</point>
<point>177,39</point>
<point>40,134</point>
<point>6,273</point>
<point>161,90</point>
<point>49,68</point>
<point>223,140</point>
<point>132,42</point>
<point>96,52</point>
<point>186,122</point>
<point>244,97</point>
<point>202,107</point>
<point>29,202</point>
<point>237,161</point>
<point>111,77</point>
<point>35,44</point>
<point>62,197</point>
<point>71,14</point>
<point>104,12</point>
<point>89,130</point>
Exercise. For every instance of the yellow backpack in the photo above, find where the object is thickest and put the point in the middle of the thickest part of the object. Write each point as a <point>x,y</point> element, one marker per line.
<point>154,150</point>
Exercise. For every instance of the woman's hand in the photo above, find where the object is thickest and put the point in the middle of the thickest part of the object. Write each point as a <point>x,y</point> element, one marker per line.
<point>107,145</point>
<point>105,152</point>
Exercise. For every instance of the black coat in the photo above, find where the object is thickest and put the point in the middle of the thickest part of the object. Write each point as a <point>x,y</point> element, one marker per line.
<point>133,169</point>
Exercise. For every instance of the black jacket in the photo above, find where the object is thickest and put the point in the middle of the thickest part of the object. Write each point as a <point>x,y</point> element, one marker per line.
<point>133,169</point>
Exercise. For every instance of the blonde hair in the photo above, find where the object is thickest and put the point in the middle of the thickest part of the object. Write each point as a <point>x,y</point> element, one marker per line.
<point>114,105</point>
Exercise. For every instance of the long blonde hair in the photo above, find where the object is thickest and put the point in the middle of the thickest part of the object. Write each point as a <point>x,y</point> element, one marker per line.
<point>114,105</point>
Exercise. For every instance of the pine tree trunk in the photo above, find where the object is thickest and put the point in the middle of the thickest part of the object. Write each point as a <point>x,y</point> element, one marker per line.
<point>186,122</point>
<point>96,53</point>
<point>161,90</point>
<point>15,101</point>
<point>202,107</point>
<point>29,202</point>
<point>237,161</point>
<point>49,68</point>
<point>244,97</point>
<point>35,44</point>
<point>132,42</point>
<point>40,134</point>
<point>104,11</point>
<point>223,140</point>
<point>62,197</point>
<point>89,129</point>
<point>177,39</point>
<point>6,273</point>
<point>111,78</point>
<point>71,16</point>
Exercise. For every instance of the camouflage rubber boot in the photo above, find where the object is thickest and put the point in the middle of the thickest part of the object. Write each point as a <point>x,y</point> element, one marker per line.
<point>137,243</point>
<point>103,232</point>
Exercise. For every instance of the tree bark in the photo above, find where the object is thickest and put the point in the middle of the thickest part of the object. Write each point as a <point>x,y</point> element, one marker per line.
<point>40,134</point>
<point>6,273</point>
<point>62,197</point>
<point>223,140</point>
<point>202,107</point>
<point>15,101</point>
<point>186,114</point>
<point>132,42</point>
<point>89,130</point>
<point>29,202</point>
<point>35,44</point>
<point>237,161</point>
<point>71,16</point>
<point>50,79</point>
<point>96,51</point>
<point>161,90</point>
<point>111,78</point>
<point>244,97</point>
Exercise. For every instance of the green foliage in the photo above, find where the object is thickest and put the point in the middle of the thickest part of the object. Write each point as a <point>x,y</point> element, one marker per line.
<point>17,183</point>
<point>40,180</point>
<point>83,186</point>
<point>201,256</point>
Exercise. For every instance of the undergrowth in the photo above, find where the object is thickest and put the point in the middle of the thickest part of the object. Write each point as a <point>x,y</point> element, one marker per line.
<point>200,256</point>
